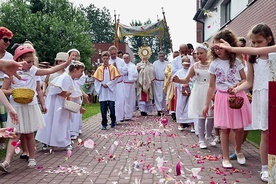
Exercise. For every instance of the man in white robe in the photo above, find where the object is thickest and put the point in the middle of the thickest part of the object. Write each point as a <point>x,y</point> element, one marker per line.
<point>120,95</point>
<point>176,63</point>
<point>129,88</point>
<point>158,94</point>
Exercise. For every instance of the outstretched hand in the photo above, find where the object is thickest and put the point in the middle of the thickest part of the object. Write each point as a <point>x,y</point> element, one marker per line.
<point>223,44</point>
<point>10,67</point>
<point>7,132</point>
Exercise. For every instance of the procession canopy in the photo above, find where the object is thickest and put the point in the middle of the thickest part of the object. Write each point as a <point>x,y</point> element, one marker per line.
<point>156,29</point>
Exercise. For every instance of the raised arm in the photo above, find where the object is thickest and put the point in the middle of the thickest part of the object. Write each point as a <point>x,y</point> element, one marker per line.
<point>187,79</point>
<point>246,50</point>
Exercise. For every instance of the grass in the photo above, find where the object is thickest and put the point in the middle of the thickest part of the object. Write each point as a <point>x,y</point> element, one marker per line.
<point>254,136</point>
<point>91,110</point>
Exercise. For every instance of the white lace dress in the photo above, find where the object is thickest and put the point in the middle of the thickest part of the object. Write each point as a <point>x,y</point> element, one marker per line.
<point>260,95</point>
<point>199,91</point>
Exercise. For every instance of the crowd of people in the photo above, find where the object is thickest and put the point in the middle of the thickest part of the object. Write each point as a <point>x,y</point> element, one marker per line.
<point>194,88</point>
<point>39,105</point>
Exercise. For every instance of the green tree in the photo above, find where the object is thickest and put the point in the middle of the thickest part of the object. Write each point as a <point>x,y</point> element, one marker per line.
<point>52,26</point>
<point>100,22</point>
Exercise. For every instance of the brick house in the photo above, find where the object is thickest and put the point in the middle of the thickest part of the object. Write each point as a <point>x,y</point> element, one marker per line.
<point>238,15</point>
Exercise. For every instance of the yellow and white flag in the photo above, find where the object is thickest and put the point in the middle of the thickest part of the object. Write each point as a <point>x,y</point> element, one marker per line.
<point>155,29</point>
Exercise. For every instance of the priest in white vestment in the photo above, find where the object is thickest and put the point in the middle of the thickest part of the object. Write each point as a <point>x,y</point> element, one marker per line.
<point>158,94</point>
<point>129,88</point>
<point>120,94</point>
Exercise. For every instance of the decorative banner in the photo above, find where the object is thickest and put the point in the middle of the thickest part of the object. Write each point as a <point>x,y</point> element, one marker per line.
<point>156,29</point>
<point>271,119</point>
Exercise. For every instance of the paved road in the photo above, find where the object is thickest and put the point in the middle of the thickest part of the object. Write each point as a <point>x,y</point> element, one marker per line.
<point>136,152</point>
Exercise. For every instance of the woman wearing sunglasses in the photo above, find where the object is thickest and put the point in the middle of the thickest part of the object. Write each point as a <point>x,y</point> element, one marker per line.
<point>5,39</point>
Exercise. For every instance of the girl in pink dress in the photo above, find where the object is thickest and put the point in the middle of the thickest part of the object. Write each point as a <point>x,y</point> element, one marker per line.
<point>226,72</point>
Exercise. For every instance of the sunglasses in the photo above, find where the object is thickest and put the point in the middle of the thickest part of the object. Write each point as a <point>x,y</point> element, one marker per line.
<point>6,40</point>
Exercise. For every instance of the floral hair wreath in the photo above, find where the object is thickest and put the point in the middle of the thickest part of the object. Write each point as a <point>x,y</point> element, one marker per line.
<point>201,46</point>
<point>77,64</point>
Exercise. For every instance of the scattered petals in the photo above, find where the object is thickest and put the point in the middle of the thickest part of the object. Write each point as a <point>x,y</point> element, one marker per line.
<point>68,170</point>
<point>89,144</point>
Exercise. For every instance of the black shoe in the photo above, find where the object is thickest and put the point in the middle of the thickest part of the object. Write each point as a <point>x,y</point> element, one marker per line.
<point>159,113</point>
<point>122,121</point>
<point>184,125</point>
<point>24,157</point>
<point>127,119</point>
<point>143,113</point>
<point>173,116</point>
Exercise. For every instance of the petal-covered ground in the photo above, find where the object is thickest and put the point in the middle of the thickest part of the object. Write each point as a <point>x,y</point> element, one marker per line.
<point>143,150</point>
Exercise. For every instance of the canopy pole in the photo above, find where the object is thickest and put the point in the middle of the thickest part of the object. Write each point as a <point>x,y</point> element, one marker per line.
<point>167,29</point>
<point>116,39</point>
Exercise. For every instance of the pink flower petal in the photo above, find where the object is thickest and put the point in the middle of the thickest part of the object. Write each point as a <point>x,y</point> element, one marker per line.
<point>178,169</point>
<point>17,150</point>
<point>69,153</point>
<point>89,144</point>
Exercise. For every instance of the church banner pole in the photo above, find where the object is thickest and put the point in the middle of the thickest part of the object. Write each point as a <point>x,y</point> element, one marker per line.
<point>167,29</point>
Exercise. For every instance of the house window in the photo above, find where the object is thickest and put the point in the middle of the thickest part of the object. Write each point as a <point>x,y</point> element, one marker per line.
<point>225,11</point>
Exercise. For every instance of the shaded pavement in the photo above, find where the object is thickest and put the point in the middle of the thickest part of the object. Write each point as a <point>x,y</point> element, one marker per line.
<point>136,152</point>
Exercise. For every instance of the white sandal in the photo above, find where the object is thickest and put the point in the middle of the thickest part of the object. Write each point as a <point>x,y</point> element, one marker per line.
<point>32,163</point>
<point>4,167</point>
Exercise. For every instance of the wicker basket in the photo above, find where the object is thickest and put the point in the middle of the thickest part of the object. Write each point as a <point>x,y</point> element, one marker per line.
<point>235,102</point>
<point>71,106</point>
<point>23,95</point>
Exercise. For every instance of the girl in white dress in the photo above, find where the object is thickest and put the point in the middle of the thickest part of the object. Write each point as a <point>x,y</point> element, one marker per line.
<point>258,77</point>
<point>30,116</point>
<point>57,130</point>
<point>199,73</point>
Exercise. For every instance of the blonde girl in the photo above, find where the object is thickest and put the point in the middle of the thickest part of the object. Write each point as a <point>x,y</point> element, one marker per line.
<point>199,71</point>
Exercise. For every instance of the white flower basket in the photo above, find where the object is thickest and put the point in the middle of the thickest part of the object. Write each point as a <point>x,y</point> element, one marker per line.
<point>71,106</point>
